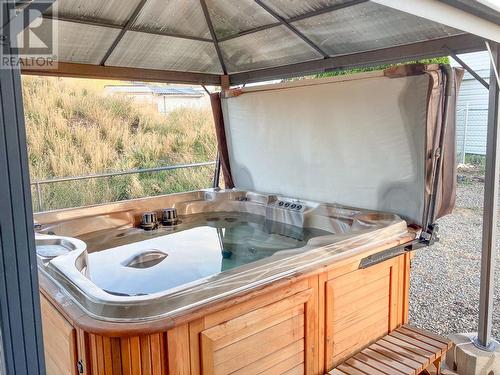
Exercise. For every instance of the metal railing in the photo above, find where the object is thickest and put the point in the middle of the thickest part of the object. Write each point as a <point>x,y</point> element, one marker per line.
<point>37,186</point>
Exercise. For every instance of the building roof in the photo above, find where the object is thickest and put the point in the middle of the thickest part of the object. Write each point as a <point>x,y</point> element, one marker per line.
<point>157,90</point>
<point>177,91</point>
<point>251,40</point>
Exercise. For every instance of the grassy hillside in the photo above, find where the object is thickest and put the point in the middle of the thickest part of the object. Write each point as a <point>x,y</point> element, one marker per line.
<point>74,129</point>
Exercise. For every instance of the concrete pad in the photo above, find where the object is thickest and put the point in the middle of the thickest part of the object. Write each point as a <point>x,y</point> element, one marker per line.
<point>466,359</point>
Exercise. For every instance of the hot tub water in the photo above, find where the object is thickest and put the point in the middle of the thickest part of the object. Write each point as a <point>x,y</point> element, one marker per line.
<point>202,245</point>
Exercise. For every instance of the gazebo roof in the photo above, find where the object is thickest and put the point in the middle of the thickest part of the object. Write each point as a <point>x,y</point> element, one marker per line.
<point>198,41</point>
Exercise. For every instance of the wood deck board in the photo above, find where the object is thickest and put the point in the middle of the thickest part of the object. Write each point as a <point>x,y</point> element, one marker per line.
<point>423,338</point>
<point>431,335</point>
<point>397,356</point>
<point>410,347</point>
<point>404,351</point>
<point>433,350</point>
<point>378,363</point>
<point>363,367</point>
<point>388,361</point>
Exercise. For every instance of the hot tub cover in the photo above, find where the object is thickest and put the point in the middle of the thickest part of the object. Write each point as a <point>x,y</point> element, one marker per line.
<point>369,140</point>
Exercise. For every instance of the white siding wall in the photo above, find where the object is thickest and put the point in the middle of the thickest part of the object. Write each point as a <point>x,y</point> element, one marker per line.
<point>165,99</point>
<point>168,103</point>
<point>475,96</point>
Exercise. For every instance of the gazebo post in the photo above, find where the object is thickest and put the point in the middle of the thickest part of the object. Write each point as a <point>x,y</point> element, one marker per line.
<point>490,212</point>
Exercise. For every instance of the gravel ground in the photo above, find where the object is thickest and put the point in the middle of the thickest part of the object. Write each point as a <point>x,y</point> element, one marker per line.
<point>444,288</point>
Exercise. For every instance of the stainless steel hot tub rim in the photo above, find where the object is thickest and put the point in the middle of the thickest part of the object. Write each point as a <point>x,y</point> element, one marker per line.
<point>105,306</point>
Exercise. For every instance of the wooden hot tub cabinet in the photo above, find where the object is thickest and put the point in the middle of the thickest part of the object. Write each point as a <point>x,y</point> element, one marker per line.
<point>305,324</point>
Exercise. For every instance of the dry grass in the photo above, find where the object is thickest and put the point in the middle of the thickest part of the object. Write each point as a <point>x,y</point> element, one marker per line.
<point>74,129</point>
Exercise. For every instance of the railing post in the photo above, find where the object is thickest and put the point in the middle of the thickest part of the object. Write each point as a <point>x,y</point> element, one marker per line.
<point>39,195</point>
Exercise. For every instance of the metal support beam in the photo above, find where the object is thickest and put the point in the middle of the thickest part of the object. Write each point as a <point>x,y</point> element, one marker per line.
<point>250,31</point>
<point>126,27</point>
<point>123,73</point>
<point>490,210</point>
<point>432,48</point>
<point>470,70</point>
<point>447,15</point>
<point>476,8</point>
<point>492,60</point>
<point>225,82</point>
<point>293,29</point>
<point>327,9</point>
<point>205,88</point>
<point>120,27</point>
<point>21,343</point>
<point>213,35</point>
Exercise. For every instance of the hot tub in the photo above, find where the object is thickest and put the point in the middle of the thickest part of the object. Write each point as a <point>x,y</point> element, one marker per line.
<point>221,243</point>
<point>249,282</point>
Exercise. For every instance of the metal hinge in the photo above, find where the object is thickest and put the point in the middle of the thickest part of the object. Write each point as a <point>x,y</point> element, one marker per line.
<point>79,366</point>
<point>429,236</point>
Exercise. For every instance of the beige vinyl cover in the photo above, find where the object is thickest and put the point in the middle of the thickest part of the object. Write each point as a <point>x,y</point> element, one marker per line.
<point>354,140</point>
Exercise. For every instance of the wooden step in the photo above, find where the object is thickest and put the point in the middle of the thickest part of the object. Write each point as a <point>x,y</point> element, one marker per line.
<point>405,351</point>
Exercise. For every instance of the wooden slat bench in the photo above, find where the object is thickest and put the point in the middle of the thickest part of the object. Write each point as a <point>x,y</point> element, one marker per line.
<point>404,351</point>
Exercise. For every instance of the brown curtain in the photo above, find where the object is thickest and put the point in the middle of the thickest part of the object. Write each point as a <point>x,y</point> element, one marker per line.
<point>220,133</point>
<point>441,142</point>
<point>446,194</point>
